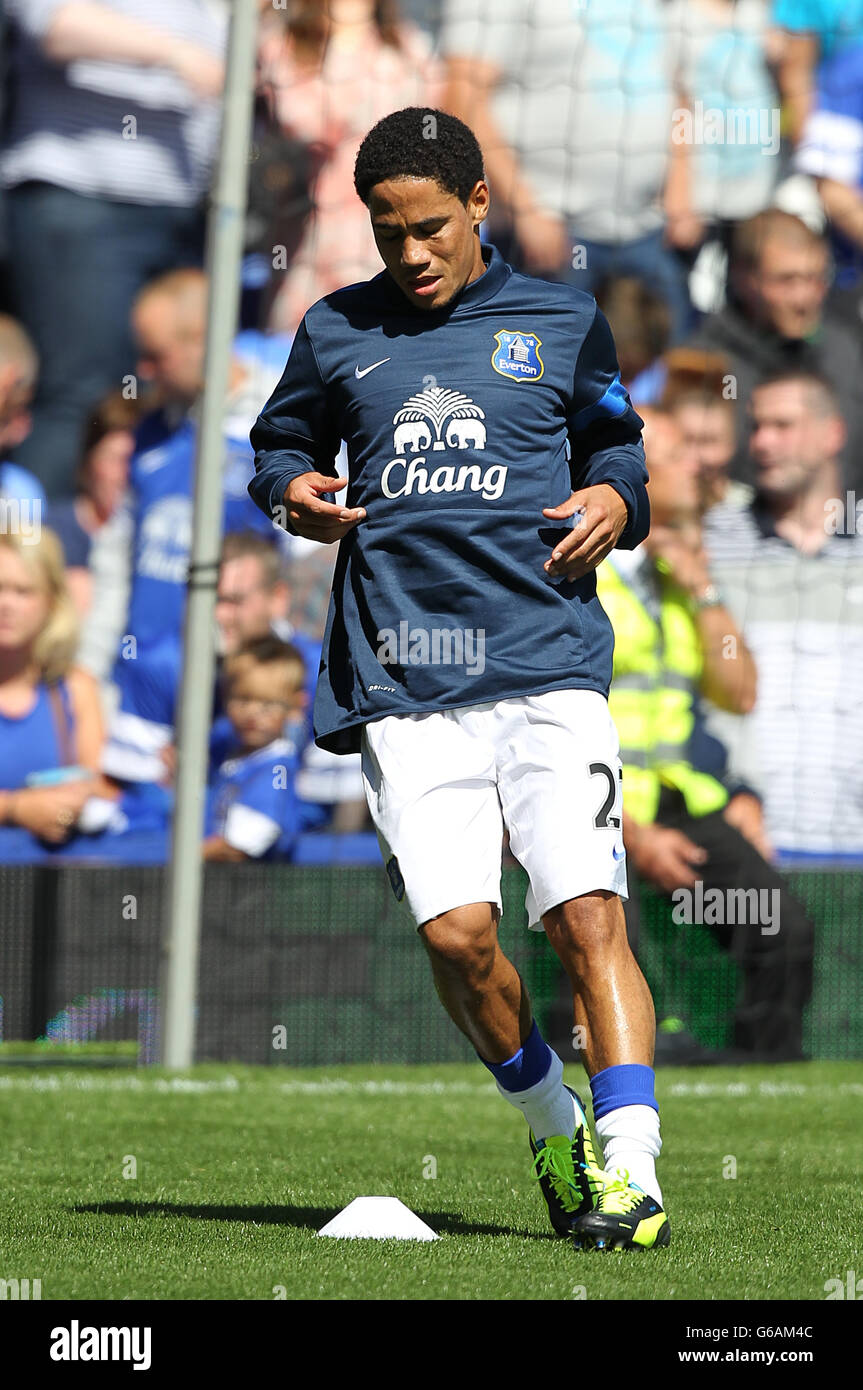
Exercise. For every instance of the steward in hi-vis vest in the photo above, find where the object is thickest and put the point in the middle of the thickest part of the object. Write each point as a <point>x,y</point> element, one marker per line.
<point>657,668</point>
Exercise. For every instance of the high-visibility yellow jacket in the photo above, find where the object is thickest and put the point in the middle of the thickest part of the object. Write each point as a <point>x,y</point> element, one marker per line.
<point>656,673</point>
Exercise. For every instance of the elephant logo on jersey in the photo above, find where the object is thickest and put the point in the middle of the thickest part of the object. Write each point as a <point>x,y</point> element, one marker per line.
<point>429,412</point>
<point>437,419</point>
<point>517,356</point>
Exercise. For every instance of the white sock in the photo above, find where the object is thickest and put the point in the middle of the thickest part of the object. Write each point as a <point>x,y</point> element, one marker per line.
<point>548,1107</point>
<point>630,1140</point>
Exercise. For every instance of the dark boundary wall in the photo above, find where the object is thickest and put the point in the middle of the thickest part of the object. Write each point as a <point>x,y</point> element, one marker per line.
<point>327,955</point>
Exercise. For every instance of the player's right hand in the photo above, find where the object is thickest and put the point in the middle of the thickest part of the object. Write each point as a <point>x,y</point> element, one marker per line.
<point>312,517</point>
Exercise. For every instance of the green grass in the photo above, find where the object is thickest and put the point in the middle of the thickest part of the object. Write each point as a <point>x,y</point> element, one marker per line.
<point>47,1051</point>
<point>238,1167</point>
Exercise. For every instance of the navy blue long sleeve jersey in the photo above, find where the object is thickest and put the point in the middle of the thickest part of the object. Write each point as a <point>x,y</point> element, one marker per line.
<point>461,425</point>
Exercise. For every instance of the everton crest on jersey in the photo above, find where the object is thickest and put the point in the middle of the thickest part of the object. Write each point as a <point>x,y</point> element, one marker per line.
<point>517,355</point>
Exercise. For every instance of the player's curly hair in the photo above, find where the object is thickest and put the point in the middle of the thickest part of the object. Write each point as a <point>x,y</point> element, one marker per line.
<point>420,143</point>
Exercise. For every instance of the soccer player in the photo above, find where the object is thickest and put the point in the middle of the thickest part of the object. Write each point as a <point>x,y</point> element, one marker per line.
<point>494,460</point>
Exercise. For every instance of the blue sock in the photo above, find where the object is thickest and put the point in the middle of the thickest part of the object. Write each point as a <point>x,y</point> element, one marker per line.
<point>627,1084</point>
<point>529,1065</point>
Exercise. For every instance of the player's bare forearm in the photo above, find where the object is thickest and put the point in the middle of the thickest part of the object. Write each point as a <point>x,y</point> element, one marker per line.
<point>604,517</point>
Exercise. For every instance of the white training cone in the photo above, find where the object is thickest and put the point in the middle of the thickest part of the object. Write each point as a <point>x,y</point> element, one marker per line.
<point>377,1218</point>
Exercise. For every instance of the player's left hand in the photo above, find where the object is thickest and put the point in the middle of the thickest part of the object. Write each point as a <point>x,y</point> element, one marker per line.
<point>604,518</point>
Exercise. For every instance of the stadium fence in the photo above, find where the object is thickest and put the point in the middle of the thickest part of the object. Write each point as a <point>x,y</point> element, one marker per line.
<point>318,966</point>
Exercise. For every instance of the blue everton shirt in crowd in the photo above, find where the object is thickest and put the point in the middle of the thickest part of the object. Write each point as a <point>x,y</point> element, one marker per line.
<point>831,146</point>
<point>461,425</point>
<point>162,481</point>
<point>20,484</point>
<point>148,688</point>
<point>252,803</point>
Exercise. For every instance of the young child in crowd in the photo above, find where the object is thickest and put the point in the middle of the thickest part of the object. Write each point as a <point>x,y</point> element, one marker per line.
<point>252,808</point>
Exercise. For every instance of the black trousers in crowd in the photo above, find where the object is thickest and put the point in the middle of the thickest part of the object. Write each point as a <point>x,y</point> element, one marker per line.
<point>776,967</point>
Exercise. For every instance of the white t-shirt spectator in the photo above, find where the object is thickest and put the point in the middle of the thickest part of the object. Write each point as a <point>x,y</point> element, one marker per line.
<point>734,108</point>
<point>802,619</point>
<point>585,101</point>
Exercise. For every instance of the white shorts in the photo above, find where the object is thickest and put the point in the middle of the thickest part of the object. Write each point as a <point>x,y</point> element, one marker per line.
<point>441,787</point>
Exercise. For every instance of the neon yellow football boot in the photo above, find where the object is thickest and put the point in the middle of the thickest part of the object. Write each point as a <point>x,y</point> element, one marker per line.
<point>623,1218</point>
<point>562,1167</point>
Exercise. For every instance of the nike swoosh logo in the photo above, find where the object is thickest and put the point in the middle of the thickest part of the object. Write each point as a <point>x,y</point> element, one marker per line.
<point>618,856</point>
<point>365,371</point>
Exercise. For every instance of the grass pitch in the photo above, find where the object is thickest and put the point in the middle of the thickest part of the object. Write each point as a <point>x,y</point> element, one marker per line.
<point>139,1185</point>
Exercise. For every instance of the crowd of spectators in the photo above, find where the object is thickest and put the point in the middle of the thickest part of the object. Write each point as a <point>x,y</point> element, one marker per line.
<point>697,166</point>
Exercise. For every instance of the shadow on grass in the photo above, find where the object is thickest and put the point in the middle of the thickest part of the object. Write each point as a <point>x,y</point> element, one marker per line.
<point>310,1218</point>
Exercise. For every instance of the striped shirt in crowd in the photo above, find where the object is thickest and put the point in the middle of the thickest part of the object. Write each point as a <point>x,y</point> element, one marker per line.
<point>801,616</point>
<point>69,124</point>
